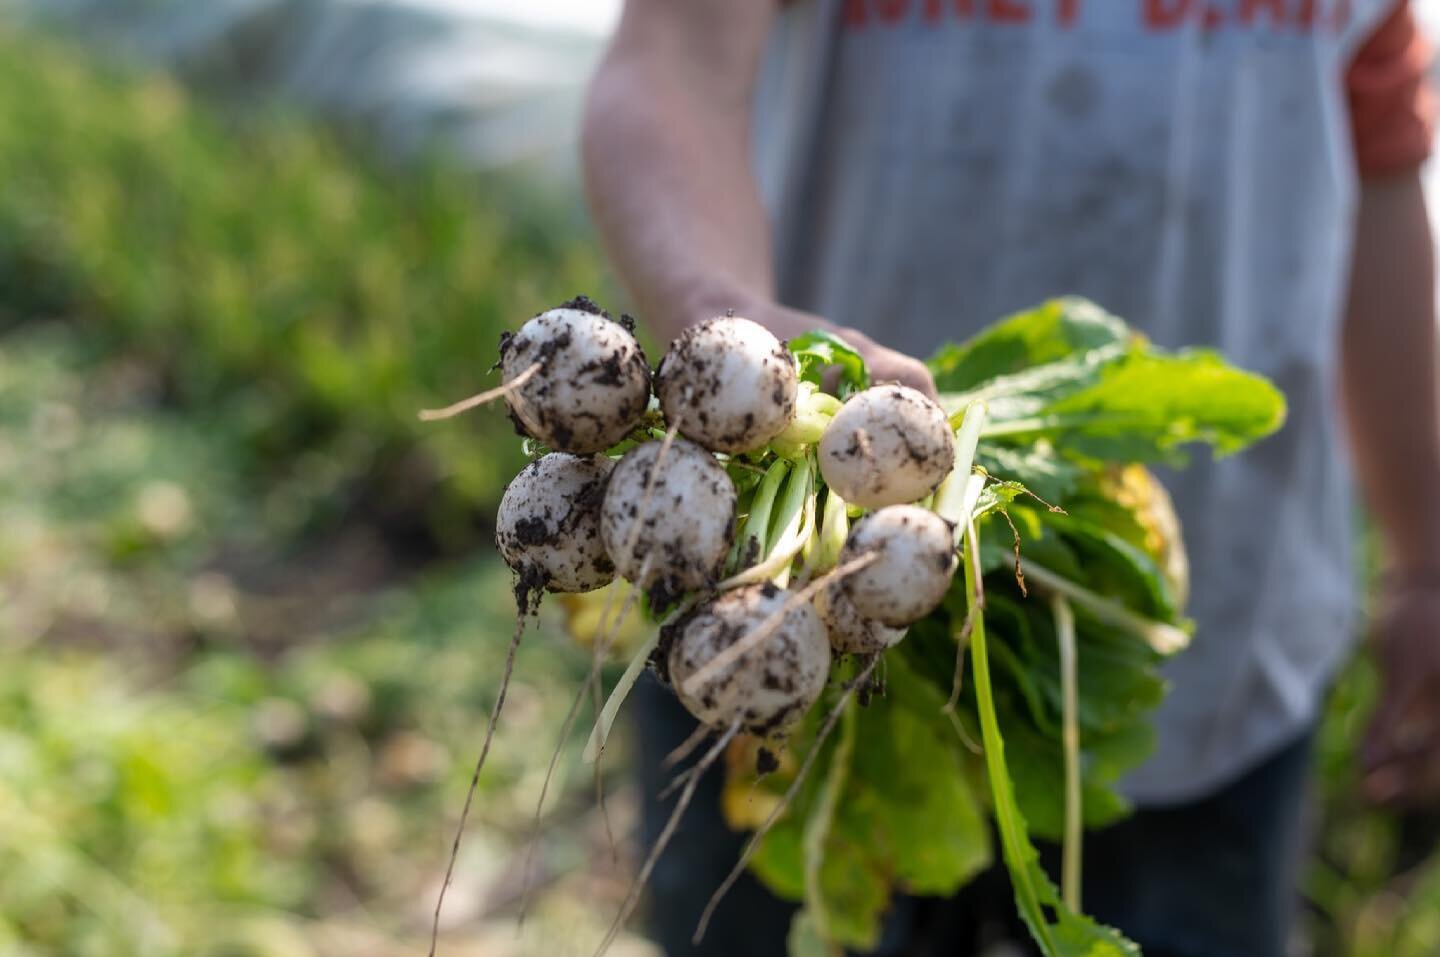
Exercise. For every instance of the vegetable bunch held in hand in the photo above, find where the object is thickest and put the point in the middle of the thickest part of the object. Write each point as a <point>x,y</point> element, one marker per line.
<point>797,554</point>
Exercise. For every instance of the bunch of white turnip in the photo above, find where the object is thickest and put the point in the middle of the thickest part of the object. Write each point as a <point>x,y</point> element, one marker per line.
<point>837,543</point>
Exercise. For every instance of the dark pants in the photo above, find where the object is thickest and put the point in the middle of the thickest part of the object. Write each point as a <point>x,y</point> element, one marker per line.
<point>1214,878</point>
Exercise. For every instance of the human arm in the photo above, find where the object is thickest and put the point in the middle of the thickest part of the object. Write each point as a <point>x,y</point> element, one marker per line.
<point>665,154</point>
<point>1392,406</point>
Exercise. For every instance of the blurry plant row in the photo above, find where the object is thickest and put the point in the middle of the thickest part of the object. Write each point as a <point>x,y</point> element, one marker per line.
<point>195,761</point>
<point>235,717</point>
<point>257,262</point>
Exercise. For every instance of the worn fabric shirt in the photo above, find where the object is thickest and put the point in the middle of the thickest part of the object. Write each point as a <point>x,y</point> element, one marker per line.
<point>933,165</point>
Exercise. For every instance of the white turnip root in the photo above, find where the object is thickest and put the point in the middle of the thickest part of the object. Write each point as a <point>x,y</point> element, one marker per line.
<point>769,687</point>
<point>670,534</point>
<point>548,525</point>
<point>851,633</point>
<point>888,445</point>
<point>728,384</point>
<point>916,560</point>
<point>592,381</point>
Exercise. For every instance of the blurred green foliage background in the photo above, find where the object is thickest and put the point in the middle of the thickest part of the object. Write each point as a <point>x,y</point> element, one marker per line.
<point>250,620</point>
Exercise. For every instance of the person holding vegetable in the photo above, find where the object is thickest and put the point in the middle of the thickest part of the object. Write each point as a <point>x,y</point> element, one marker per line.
<point>1236,173</point>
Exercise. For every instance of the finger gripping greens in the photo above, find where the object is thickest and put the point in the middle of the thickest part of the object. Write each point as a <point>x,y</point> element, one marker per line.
<point>794,554</point>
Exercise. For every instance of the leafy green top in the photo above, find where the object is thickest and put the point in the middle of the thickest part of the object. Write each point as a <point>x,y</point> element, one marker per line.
<point>1074,399</point>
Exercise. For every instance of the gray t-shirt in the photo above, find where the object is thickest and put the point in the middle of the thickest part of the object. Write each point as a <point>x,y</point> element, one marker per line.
<point>933,165</point>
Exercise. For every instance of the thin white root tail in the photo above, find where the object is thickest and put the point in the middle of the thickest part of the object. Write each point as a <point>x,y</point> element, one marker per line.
<point>489,395</point>
<point>962,642</point>
<point>766,628</point>
<point>684,749</point>
<point>643,875</point>
<point>475,777</point>
<point>751,845</point>
<point>565,730</point>
<point>677,782</point>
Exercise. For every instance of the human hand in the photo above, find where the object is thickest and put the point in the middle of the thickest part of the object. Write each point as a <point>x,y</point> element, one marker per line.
<point>1401,755</point>
<point>887,365</point>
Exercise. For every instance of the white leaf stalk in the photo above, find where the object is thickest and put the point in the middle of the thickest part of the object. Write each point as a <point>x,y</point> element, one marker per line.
<point>600,733</point>
<point>956,497</point>
<point>1164,638</point>
<point>810,551</point>
<point>595,746</point>
<point>834,529</point>
<point>1074,837</point>
<point>796,517</point>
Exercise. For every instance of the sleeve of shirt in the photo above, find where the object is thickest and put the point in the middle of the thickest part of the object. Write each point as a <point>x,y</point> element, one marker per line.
<point>1392,100</point>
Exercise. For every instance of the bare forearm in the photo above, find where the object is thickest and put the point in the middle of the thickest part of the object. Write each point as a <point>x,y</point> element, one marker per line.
<point>668,175</point>
<point>1389,371</point>
<point>667,168</point>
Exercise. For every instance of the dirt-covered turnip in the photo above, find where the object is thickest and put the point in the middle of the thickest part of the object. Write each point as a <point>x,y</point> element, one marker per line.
<point>669,534</point>
<point>851,633</point>
<point>590,383</point>
<point>768,687</point>
<point>887,445</point>
<point>548,524</point>
<point>728,384</point>
<point>915,560</point>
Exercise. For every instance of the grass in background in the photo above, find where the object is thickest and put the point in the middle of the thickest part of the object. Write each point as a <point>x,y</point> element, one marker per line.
<point>241,695</point>
<point>263,267</point>
<point>218,739</point>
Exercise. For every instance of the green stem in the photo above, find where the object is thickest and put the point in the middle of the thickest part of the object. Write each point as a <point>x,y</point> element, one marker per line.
<point>1070,739</point>
<point>1162,637</point>
<point>786,521</point>
<point>813,411</point>
<point>822,403</point>
<point>794,519</point>
<point>1014,840</point>
<point>834,529</point>
<point>1063,421</point>
<point>756,528</point>
<point>822,816</point>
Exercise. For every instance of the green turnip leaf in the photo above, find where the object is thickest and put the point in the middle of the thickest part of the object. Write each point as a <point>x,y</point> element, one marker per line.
<point>1054,330</point>
<point>817,350</point>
